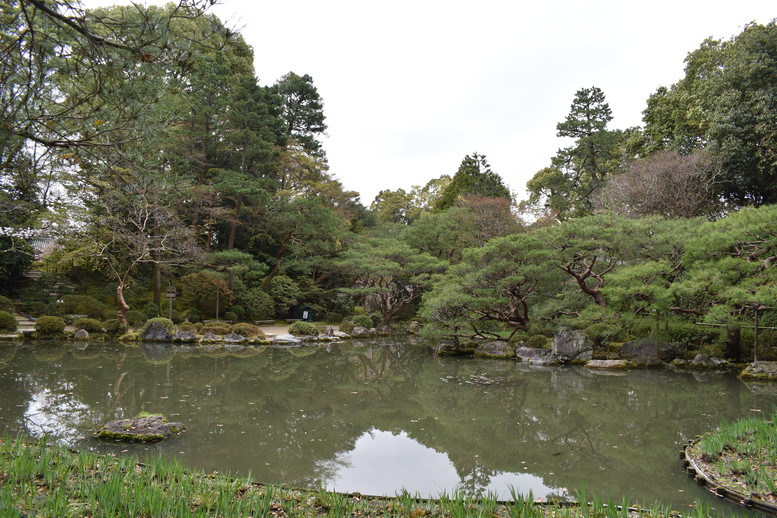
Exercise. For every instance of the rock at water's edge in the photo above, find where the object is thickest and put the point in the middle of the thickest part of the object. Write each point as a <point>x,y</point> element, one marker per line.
<point>155,333</point>
<point>572,345</point>
<point>140,429</point>
<point>495,350</point>
<point>766,371</point>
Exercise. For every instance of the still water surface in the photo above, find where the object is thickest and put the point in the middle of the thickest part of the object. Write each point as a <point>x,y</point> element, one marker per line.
<point>379,417</point>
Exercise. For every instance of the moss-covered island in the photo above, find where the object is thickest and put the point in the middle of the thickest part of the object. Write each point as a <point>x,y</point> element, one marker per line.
<point>738,461</point>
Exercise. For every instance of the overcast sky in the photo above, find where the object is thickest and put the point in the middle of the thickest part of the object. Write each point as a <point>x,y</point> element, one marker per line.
<point>411,87</point>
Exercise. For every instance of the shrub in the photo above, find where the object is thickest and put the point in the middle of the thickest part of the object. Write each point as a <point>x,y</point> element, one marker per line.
<point>217,328</point>
<point>602,333</point>
<point>332,317</point>
<point>284,292</point>
<point>258,304</point>
<point>6,304</point>
<point>7,322</point>
<point>239,311</point>
<point>303,329</point>
<point>35,309</point>
<point>82,305</point>
<point>188,326</point>
<point>231,316</point>
<point>89,324</point>
<point>113,328</point>
<point>49,326</point>
<point>362,321</point>
<point>164,322</point>
<point>151,310</point>
<point>375,320</point>
<point>136,318</point>
<point>247,330</point>
<point>539,341</point>
<point>346,326</point>
<point>690,335</point>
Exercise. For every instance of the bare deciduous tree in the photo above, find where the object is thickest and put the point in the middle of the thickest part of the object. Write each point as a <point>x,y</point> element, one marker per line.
<point>667,184</point>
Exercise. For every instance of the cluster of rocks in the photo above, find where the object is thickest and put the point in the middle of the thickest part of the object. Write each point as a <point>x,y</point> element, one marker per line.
<point>572,346</point>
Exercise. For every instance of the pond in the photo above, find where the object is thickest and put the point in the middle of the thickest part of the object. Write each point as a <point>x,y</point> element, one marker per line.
<point>378,417</point>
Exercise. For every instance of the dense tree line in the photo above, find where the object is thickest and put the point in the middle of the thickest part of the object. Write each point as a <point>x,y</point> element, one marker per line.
<point>141,139</point>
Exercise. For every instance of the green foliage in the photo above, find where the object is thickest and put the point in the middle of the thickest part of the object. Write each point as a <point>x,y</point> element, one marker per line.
<point>166,323</point>
<point>258,304</point>
<point>217,328</point>
<point>691,335</point>
<point>230,316</point>
<point>113,327</point>
<point>7,322</point>
<point>362,321</point>
<point>387,274</point>
<point>136,318</point>
<point>602,334</point>
<point>346,326</point>
<point>494,285</point>
<point>474,178</point>
<point>247,330</point>
<point>150,310</point>
<point>91,325</point>
<point>6,304</point>
<point>303,329</point>
<point>82,305</point>
<point>284,292</point>
<point>189,327</point>
<point>198,291</point>
<point>49,326</point>
<point>568,188</point>
<point>726,103</point>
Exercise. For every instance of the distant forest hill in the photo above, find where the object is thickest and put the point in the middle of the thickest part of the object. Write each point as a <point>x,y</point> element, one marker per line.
<point>137,143</point>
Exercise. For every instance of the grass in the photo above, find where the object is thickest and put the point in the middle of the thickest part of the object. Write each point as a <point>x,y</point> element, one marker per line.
<point>742,456</point>
<point>37,479</point>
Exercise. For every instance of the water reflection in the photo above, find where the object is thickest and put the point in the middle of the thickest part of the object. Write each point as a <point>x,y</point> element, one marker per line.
<point>381,459</point>
<point>379,417</point>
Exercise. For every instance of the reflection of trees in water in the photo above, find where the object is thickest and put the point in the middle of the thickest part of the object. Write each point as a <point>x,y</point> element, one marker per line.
<point>287,414</point>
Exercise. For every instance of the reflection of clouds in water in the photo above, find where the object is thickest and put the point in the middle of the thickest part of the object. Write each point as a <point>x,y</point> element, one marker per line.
<point>383,463</point>
<point>57,415</point>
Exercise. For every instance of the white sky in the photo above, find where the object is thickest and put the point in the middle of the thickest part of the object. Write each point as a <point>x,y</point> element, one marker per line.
<point>411,87</point>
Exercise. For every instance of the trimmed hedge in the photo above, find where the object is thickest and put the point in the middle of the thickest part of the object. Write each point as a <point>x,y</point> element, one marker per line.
<point>49,326</point>
<point>246,330</point>
<point>7,322</point>
<point>217,328</point>
<point>91,325</point>
<point>303,329</point>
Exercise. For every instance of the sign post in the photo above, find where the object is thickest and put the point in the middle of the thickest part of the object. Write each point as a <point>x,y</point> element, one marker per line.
<point>170,294</point>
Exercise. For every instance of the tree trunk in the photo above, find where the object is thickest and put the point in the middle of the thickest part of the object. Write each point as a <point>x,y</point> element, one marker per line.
<point>123,306</point>
<point>157,279</point>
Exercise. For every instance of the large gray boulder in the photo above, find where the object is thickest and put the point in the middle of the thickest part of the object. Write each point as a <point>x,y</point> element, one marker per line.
<point>705,361</point>
<point>155,333</point>
<point>495,350</point>
<point>454,348</point>
<point>649,352</point>
<point>571,345</point>
<point>81,334</point>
